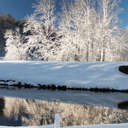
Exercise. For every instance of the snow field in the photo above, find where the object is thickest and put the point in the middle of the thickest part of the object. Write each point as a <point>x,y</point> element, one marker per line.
<point>71,74</point>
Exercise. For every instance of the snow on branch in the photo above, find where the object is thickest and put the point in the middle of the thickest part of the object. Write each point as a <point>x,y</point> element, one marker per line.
<point>87,30</point>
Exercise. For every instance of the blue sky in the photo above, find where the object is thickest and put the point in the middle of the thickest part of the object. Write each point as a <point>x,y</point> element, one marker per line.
<point>124,14</point>
<point>17,8</point>
<point>20,8</point>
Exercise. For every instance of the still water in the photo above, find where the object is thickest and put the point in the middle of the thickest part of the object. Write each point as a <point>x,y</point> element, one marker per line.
<point>38,107</point>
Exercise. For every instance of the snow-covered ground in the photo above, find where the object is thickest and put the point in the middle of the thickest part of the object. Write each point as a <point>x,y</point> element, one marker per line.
<point>102,126</point>
<point>71,74</point>
<point>93,126</point>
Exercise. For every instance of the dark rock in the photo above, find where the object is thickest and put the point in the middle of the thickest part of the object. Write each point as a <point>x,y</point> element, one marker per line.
<point>2,106</point>
<point>123,69</point>
<point>123,105</point>
<point>63,88</point>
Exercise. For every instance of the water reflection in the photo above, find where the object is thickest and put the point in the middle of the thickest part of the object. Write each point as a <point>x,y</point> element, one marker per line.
<point>17,112</point>
<point>71,97</point>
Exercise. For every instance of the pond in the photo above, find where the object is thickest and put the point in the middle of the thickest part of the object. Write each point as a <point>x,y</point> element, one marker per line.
<point>38,107</point>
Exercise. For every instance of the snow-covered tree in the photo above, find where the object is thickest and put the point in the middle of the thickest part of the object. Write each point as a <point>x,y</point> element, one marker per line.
<point>15,49</point>
<point>73,25</point>
<point>45,12</point>
<point>91,30</point>
<point>43,37</point>
<point>40,44</point>
<point>108,30</point>
<point>40,38</point>
<point>124,49</point>
<point>88,31</point>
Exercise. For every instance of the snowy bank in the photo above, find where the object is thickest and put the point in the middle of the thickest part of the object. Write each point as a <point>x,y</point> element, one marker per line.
<point>91,126</point>
<point>102,126</point>
<point>86,75</point>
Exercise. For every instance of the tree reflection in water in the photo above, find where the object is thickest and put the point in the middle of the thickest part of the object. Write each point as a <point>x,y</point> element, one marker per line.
<point>17,112</point>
